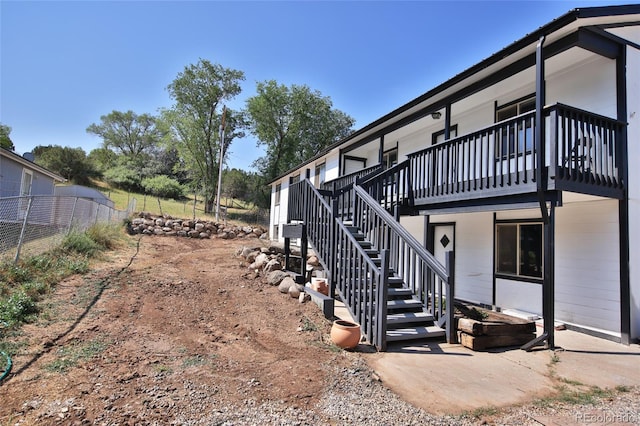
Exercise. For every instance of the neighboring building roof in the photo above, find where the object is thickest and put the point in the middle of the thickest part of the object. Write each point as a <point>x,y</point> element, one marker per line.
<point>83,192</point>
<point>31,165</point>
<point>527,41</point>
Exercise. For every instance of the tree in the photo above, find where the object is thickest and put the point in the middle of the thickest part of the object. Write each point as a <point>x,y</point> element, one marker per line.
<point>70,163</point>
<point>293,123</point>
<point>128,133</point>
<point>5,140</point>
<point>102,159</point>
<point>163,186</point>
<point>235,183</point>
<point>195,119</point>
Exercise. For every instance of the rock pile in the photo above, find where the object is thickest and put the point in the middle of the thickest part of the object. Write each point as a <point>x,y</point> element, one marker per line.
<point>267,262</point>
<point>146,223</point>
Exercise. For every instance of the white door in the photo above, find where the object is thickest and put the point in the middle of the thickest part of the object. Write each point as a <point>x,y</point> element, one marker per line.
<point>443,241</point>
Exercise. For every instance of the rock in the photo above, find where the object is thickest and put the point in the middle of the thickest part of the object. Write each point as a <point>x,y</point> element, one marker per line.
<point>159,222</point>
<point>193,234</point>
<point>204,235</point>
<point>158,231</point>
<point>261,260</point>
<point>272,265</point>
<point>199,227</point>
<point>294,291</point>
<point>276,277</point>
<point>286,284</point>
<point>304,297</point>
<point>313,261</point>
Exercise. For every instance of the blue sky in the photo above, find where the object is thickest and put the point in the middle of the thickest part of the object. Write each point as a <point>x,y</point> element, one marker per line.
<point>64,64</point>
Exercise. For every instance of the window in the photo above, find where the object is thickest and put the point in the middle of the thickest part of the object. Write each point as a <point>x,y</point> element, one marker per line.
<point>522,131</point>
<point>276,232</point>
<point>319,175</point>
<point>438,137</point>
<point>519,249</point>
<point>277,197</point>
<point>390,158</point>
<point>294,179</point>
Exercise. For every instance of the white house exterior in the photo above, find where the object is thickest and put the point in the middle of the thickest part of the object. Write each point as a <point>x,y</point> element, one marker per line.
<point>468,156</point>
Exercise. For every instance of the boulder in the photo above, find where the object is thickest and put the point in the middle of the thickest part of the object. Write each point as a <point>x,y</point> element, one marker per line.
<point>286,284</point>
<point>272,265</point>
<point>276,277</point>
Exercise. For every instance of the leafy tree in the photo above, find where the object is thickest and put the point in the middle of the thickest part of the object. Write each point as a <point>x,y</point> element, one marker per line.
<point>128,133</point>
<point>235,183</point>
<point>102,159</point>
<point>124,177</point>
<point>70,163</point>
<point>293,123</point>
<point>5,140</point>
<point>195,119</point>
<point>163,186</point>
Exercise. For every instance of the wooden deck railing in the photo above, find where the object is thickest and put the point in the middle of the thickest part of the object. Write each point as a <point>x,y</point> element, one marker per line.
<point>582,153</point>
<point>361,284</point>
<point>347,180</point>
<point>430,281</point>
<point>391,187</point>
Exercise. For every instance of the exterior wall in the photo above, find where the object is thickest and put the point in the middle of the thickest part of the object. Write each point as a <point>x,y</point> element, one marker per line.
<point>278,211</point>
<point>11,179</point>
<point>415,226</point>
<point>587,265</point>
<point>633,132</point>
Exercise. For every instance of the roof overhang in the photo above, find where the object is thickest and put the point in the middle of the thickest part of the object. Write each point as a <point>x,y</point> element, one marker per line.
<point>31,165</point>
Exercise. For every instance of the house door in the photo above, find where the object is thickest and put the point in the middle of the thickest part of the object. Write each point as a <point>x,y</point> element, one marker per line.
<point>443,240</point>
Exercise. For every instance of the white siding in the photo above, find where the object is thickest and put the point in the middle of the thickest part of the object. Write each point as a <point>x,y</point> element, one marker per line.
<point>633,129</point>
<point>587,268</point>
<point>474,255</point>
<point>415,226</point>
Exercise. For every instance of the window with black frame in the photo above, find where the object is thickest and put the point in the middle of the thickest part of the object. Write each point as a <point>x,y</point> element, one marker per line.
<point>519,250</point>
<point>518,136</point>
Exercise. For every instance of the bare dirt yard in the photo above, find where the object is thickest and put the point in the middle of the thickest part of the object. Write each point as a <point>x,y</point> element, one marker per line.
<point>169,330</point>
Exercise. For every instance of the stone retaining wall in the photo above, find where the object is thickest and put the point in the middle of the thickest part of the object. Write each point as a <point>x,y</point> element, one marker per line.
<point>146,223</point>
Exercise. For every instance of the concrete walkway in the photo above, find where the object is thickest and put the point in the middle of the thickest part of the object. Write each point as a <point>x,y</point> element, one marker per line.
<point>451,379</point>
<point>443,378</point>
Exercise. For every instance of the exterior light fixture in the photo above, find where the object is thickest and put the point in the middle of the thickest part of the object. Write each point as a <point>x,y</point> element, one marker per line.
<point>436,115</point>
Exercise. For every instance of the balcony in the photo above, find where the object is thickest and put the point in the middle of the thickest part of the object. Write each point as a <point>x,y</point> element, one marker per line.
<point>582,153</point>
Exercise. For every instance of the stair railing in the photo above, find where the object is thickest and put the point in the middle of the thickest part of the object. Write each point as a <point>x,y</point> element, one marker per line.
<point>391,187</point>
<point>361,284</point>
<point>430,281</point>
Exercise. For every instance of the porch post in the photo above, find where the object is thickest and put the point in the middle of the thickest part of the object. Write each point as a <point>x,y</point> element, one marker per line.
<point>548,286</point>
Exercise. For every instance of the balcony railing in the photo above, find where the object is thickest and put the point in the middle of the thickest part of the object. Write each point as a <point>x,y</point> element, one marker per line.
<point>582,153</point>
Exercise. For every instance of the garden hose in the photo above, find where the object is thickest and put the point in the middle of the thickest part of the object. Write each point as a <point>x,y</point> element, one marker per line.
<point>7,369</point>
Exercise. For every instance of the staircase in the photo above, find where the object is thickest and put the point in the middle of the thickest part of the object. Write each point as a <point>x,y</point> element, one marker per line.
<point>391,285</point>
<point>406,316</point>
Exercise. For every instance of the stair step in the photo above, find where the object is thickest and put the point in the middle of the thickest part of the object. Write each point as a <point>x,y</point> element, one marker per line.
<point>409,317</point>
<point>395,281</point>
<point>397,292</point>
<point>414,333</point>
<point>404,304</point>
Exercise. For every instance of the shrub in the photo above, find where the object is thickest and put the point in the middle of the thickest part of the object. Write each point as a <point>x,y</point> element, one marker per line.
<point>17,308</point>
<point>163,186</point>
<point>80,242</point>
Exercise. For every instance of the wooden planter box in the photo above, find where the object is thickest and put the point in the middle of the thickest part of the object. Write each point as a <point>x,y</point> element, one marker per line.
<point>494,331</point>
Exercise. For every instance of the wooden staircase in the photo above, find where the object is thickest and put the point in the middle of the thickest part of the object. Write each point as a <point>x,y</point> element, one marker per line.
<point>406,317</point>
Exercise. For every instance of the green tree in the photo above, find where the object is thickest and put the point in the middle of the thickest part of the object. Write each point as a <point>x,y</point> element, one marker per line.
<point>196,116</point>
<point>293,123</point>
<point>5,140</point>
<point>102,159</point>
<point>70,163</point>
<point>128,133</point>
<point>163,186</point>
<point>235,184</point>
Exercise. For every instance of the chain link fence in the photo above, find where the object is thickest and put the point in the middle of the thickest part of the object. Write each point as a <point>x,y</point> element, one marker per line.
<point>35,224</point>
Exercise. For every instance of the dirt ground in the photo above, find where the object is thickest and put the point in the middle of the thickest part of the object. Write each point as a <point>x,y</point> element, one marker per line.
<point>162,325</point>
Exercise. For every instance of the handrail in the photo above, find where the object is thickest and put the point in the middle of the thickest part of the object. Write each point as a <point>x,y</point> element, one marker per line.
<point>403,233</point>
<point>346,180</point>
<point>361,289</point>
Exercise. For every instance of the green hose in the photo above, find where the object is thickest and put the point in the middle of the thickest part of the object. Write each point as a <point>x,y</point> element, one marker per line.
<point>7,370</point>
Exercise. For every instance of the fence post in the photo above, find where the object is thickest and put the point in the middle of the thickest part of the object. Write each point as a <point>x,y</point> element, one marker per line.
<point>334,253</point>
<point>73,213</point>
<point>452,336</point>
<point>22,231</point>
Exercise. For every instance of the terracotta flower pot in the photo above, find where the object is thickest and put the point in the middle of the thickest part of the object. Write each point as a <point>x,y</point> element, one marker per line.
<point>345,334</point>
<point>320,285</point>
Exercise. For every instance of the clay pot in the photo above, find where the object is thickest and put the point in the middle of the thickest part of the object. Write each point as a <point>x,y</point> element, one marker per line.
<point>345,334</point>
<point>320,285</point>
